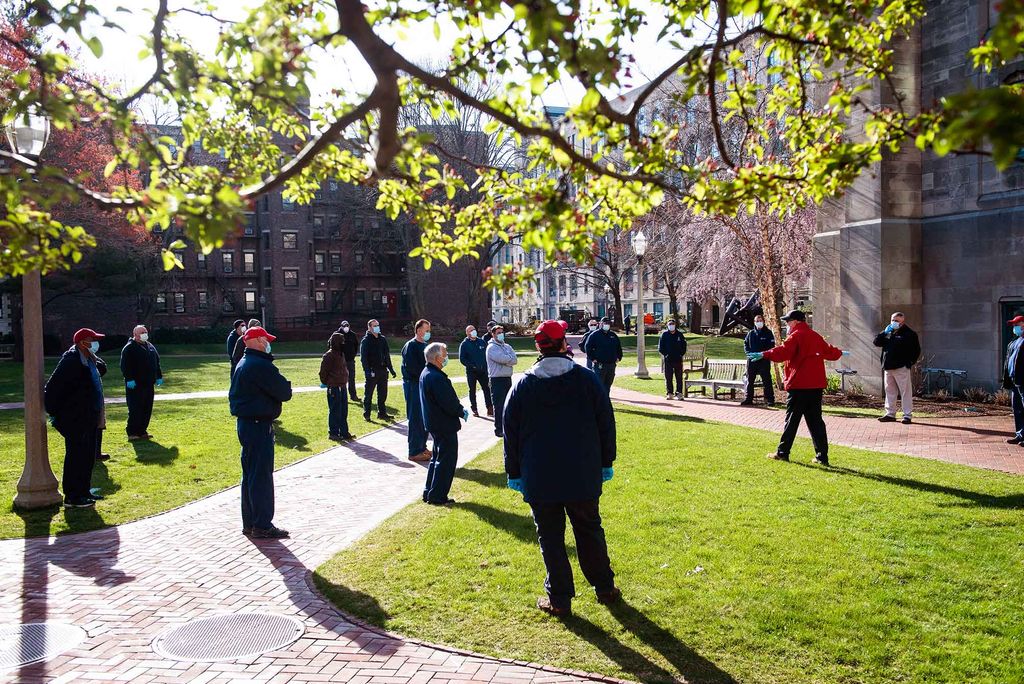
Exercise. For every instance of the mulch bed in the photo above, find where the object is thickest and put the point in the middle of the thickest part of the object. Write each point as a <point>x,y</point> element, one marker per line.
<point>951,408</point>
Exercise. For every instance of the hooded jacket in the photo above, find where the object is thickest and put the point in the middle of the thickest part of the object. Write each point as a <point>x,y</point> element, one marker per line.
<point>333,369</point>
<point>559,432</point>
<point>804,353</point>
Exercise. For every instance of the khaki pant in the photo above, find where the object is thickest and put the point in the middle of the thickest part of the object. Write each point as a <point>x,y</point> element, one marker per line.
<point>897,380</point>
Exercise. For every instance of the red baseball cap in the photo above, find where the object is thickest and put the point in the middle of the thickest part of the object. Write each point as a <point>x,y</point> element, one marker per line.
<point>87,334</point>
<point>1015,321</point>
<point>256,333</point>
<point>549,333</point>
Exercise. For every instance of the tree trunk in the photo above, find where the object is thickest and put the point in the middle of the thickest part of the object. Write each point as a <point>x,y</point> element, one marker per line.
<point>695,321</point>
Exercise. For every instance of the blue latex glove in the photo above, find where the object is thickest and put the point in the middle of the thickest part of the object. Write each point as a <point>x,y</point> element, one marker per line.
<point>323,386</point>
<point>846,353</point>
<point>515,484</point>
<point>607,474</point>
<point>465,415</point>
<point>130,384</point>
<point>159,382</point>
<point>888,329</point>
<point>755,356</point>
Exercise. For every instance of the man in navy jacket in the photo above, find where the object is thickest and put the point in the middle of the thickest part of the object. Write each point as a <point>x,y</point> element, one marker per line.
<point>1013,378</point>
<point>442,411</point>
<point>473,355</point>
<point>591,327</point>
<point>140,366</point>
<point>760,339</point>
<point>413,363</point>
<point>604,348</point>
<point>375,356</point>
<point>672,347</point>
<point>559,450</point>
<point>257,391</point>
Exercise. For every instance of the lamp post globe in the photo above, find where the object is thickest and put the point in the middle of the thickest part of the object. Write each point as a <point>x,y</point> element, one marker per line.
<point>640,248</point>
<point>28,134</point>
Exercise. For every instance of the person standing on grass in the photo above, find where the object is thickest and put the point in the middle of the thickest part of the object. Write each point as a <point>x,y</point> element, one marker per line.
<point>375,357</point>
<point>604,347</point>
<point>672,347</point>
<point>257,391</point>
<point>473,355</point>
<point>334,378</point>
<point>900,351</point>
<point>559,450</point>
<point>140,366</point>
<point>490,327</point>
<point>351,349</point>
<point>236,355</point>
<point>592,326</point>
<point>1013,379</point>
<point>501,360</point>
<point>237,330</point>
<point>413,363</point>
<point>441,413</point>
<point>73,397</point>
<point>760,339</point>
<point>804,353</point>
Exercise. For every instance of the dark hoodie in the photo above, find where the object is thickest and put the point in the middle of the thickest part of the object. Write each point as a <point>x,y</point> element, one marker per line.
<point>559,432</point>
<point>333,370</point>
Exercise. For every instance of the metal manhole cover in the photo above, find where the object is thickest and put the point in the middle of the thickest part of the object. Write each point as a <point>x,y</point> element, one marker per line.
<point>30,643</point>
<point>228,637</point>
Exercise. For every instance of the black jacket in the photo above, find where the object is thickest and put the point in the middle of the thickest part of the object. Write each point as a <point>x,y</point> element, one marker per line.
<point>70,395</point>
<point>900,348</point>
<point>413,360</point>
<point>442,410</point>
<point>236,355</point>
<point>257,387</point>
<point>603,347</point>
<point>140,362</point>
<point>672,346</point>
<point>559,432</point>
<point>350,347</point>
<point>375,354</point>
<point>759,340</point>
<point>232,339</point>
<point>1013,369</point>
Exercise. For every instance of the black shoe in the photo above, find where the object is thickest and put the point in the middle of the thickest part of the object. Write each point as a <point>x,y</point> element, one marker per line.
<point>80,502</point>
<point>268,533</point>
<point>366,417</point>
<point>606,597</point>
<point>770,404</point>
<point>95,495</point>
<point>348,436</point>
<point>499,433</point>
<point>446,502</point>
<point>906,420</point>
<point>1014,440</point>
<point>247,531</point>
<point>779,457</point>
<point>354,398</point>
<point>383,416</point>
<point>887,419</point>
<point>473,411</point>
<point>821,460</point>
<point>747,402</point>
<point>103,457</point>
<point>334,438</point>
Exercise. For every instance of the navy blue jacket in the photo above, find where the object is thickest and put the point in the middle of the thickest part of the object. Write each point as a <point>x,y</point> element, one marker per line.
<point>473,354</point>
<point>413,360</point>
<point>1013,371</point>
<point>583,343</point>
<point>603,347</point>
<point>559,433</point>
<point>374,353</point>
<point>232,338</point>
<point>759,340</point>
<point>140,362</point>
<point>442,410</point>
<point>672,346</point>
<point>257,387</point>
<point>70,395</point>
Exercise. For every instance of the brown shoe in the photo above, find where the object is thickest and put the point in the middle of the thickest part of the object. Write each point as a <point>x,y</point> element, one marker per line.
<point>606,597</point>
<point>421,457</point>
<point>135,438</point>
<point>778,457</point>
<point>490,412</point>
<point>544,604</point>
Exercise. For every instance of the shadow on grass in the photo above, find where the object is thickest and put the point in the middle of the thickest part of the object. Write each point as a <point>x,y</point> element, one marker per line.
<point>375,455</point>
<point>289,440</point>
<point>691,666</point>
<point>151,452</point>
<point>623,408</point>
<point>483,477</point>
<point>1010,501</point>
<point>355,603</point>
<point>519,525</point>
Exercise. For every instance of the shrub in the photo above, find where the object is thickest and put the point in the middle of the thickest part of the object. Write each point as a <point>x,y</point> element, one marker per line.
<point>832,383</point>
<point>917,374</point>
<point>855,389</point>
<point>1001,397</point>
<point>978,395</point>
<point>941,396</point>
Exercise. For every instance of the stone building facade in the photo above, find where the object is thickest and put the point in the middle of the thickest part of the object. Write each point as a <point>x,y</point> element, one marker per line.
<point>940,239</point>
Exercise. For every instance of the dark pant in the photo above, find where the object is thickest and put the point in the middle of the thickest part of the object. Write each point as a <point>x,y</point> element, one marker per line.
<point>674,371</point>
<point>99,442</point>
<point>473,376</point>
<point>441,469</point>
<point>806,404</point>
<point>140,409</point>
<point>351,363</point>
<point>414,413</point>
<point>591,548</point>
<point>499,390</point>
<point>257,440</point>
<point>1017,403</point>
<point>760,370</point>
<point>378,382</point>
<point>79,458</point>
<point>606,372</point>
<point>337,411</point>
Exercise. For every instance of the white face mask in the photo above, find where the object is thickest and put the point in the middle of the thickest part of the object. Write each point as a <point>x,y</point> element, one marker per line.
<point>671,328</point>
<point>472,333</point>
<point>758,324</point>
<point>894,324</point>
<point>344,328</point>
<point>144,337</point>
<point>592,326</point>
<point>606,327</point>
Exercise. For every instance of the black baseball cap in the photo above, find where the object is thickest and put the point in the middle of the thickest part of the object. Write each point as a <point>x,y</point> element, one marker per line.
<point>238,323</point>
<point>795,315</point>
<point>606,320</point>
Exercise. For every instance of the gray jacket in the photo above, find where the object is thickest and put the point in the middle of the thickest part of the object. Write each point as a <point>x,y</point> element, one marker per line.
<point>501,358</point>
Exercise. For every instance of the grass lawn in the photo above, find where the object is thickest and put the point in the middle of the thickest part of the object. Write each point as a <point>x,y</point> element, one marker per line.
<point>194,454</point>
<point>882,569</point>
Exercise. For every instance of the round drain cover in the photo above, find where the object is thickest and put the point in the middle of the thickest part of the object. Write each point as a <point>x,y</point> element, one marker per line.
<point>228,637</point>
<point>31,643</point>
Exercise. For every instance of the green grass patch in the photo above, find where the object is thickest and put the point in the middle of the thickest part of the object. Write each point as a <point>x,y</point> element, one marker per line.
<point>882,569</point>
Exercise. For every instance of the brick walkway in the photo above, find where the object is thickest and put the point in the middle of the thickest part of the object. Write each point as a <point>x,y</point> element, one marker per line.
<point>126,585</point>
<point>978,441</point>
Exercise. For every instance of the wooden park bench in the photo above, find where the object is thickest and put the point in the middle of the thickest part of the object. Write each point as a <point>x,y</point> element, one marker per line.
<point>720,375</point>
<point>693,359</point>
<point>6,351</point>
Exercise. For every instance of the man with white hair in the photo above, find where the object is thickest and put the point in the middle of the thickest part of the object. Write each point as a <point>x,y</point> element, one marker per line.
<point>140,366</point>
<point>441,413</point>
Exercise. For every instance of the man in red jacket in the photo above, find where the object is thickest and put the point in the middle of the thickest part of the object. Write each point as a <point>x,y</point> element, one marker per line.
<point>804,353</point>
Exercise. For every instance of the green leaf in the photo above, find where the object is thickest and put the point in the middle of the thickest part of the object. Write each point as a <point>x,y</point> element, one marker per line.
<point>537,84</point>
<point>95,45</point>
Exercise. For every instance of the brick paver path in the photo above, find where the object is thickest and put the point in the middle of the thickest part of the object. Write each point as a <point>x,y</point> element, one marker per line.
<point>978,441</point>
<point>126,585</point>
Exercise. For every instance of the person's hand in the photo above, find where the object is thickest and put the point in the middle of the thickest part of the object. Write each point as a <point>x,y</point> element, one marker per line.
<point>370,374</point>
<point>465,415</point>
<point>755,356</point>
<point>515,484</point>
<point>607,474</point>
<point>846,353</point>
<point>159,382</point>
<point>889,328</point>
<point>323,386</point>
<point>130,384</point>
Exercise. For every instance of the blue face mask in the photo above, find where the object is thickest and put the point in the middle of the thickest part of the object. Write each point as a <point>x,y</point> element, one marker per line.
<point>444,361</point>
<point>472,333</point>
<point>376,329</point>
<point>268,347</point>
<point>1017,330</point>
<point>94,347</point>
<point>426,336</point>
<point>500,337</point>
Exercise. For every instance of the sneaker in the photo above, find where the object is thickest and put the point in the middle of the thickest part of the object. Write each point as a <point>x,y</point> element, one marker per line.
<point>1014,440</point>
<point>95,495</point>
<point>906,420</point>
<point>499,433</point>
<point>81,502</point>
<point>269,533</point>
<point>670,396</point>
<point>778,457</point>
<point>887,419</point>
<point>606,597</point>
<point>747,402</point>
<point>544,604</point>
<point>354,398</point>
<point>820,460</point>
<point>679,396</point>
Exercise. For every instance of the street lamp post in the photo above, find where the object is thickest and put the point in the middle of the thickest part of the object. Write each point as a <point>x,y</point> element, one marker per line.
<point>640,246</point>
<point>37,488</point>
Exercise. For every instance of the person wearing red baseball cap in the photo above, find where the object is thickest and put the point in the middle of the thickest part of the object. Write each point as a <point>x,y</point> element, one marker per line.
<point>559,450</point>
<point>73,397</point>
<point>900,351</point>
<point>1013,379</point>
<point>257,391</point>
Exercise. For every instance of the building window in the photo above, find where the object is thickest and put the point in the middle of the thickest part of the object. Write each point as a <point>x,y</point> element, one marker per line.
<point>291,277</point>
<point>161,303</point>
<point>320,300</point>
<point>266,240</point>
<point>248,262</point>
<point>310,295</point>
<point>250,301</point>
<point>180,256</point>
<point>228,259</point>
<point>359,257</point>
<point>202,300</point>
<point>268,277</point>
<point>659,308</point>
<point>201,261</point>
<point>318,222</point>
<point>360,299</point>
<point>179,302</point>
<point>335,262</point>
<point>287,204</point>
<point>335,300</point>
<point>332,185</point>
<point>290,240</point>
<point>319,262</point>
<point>229,300</point>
